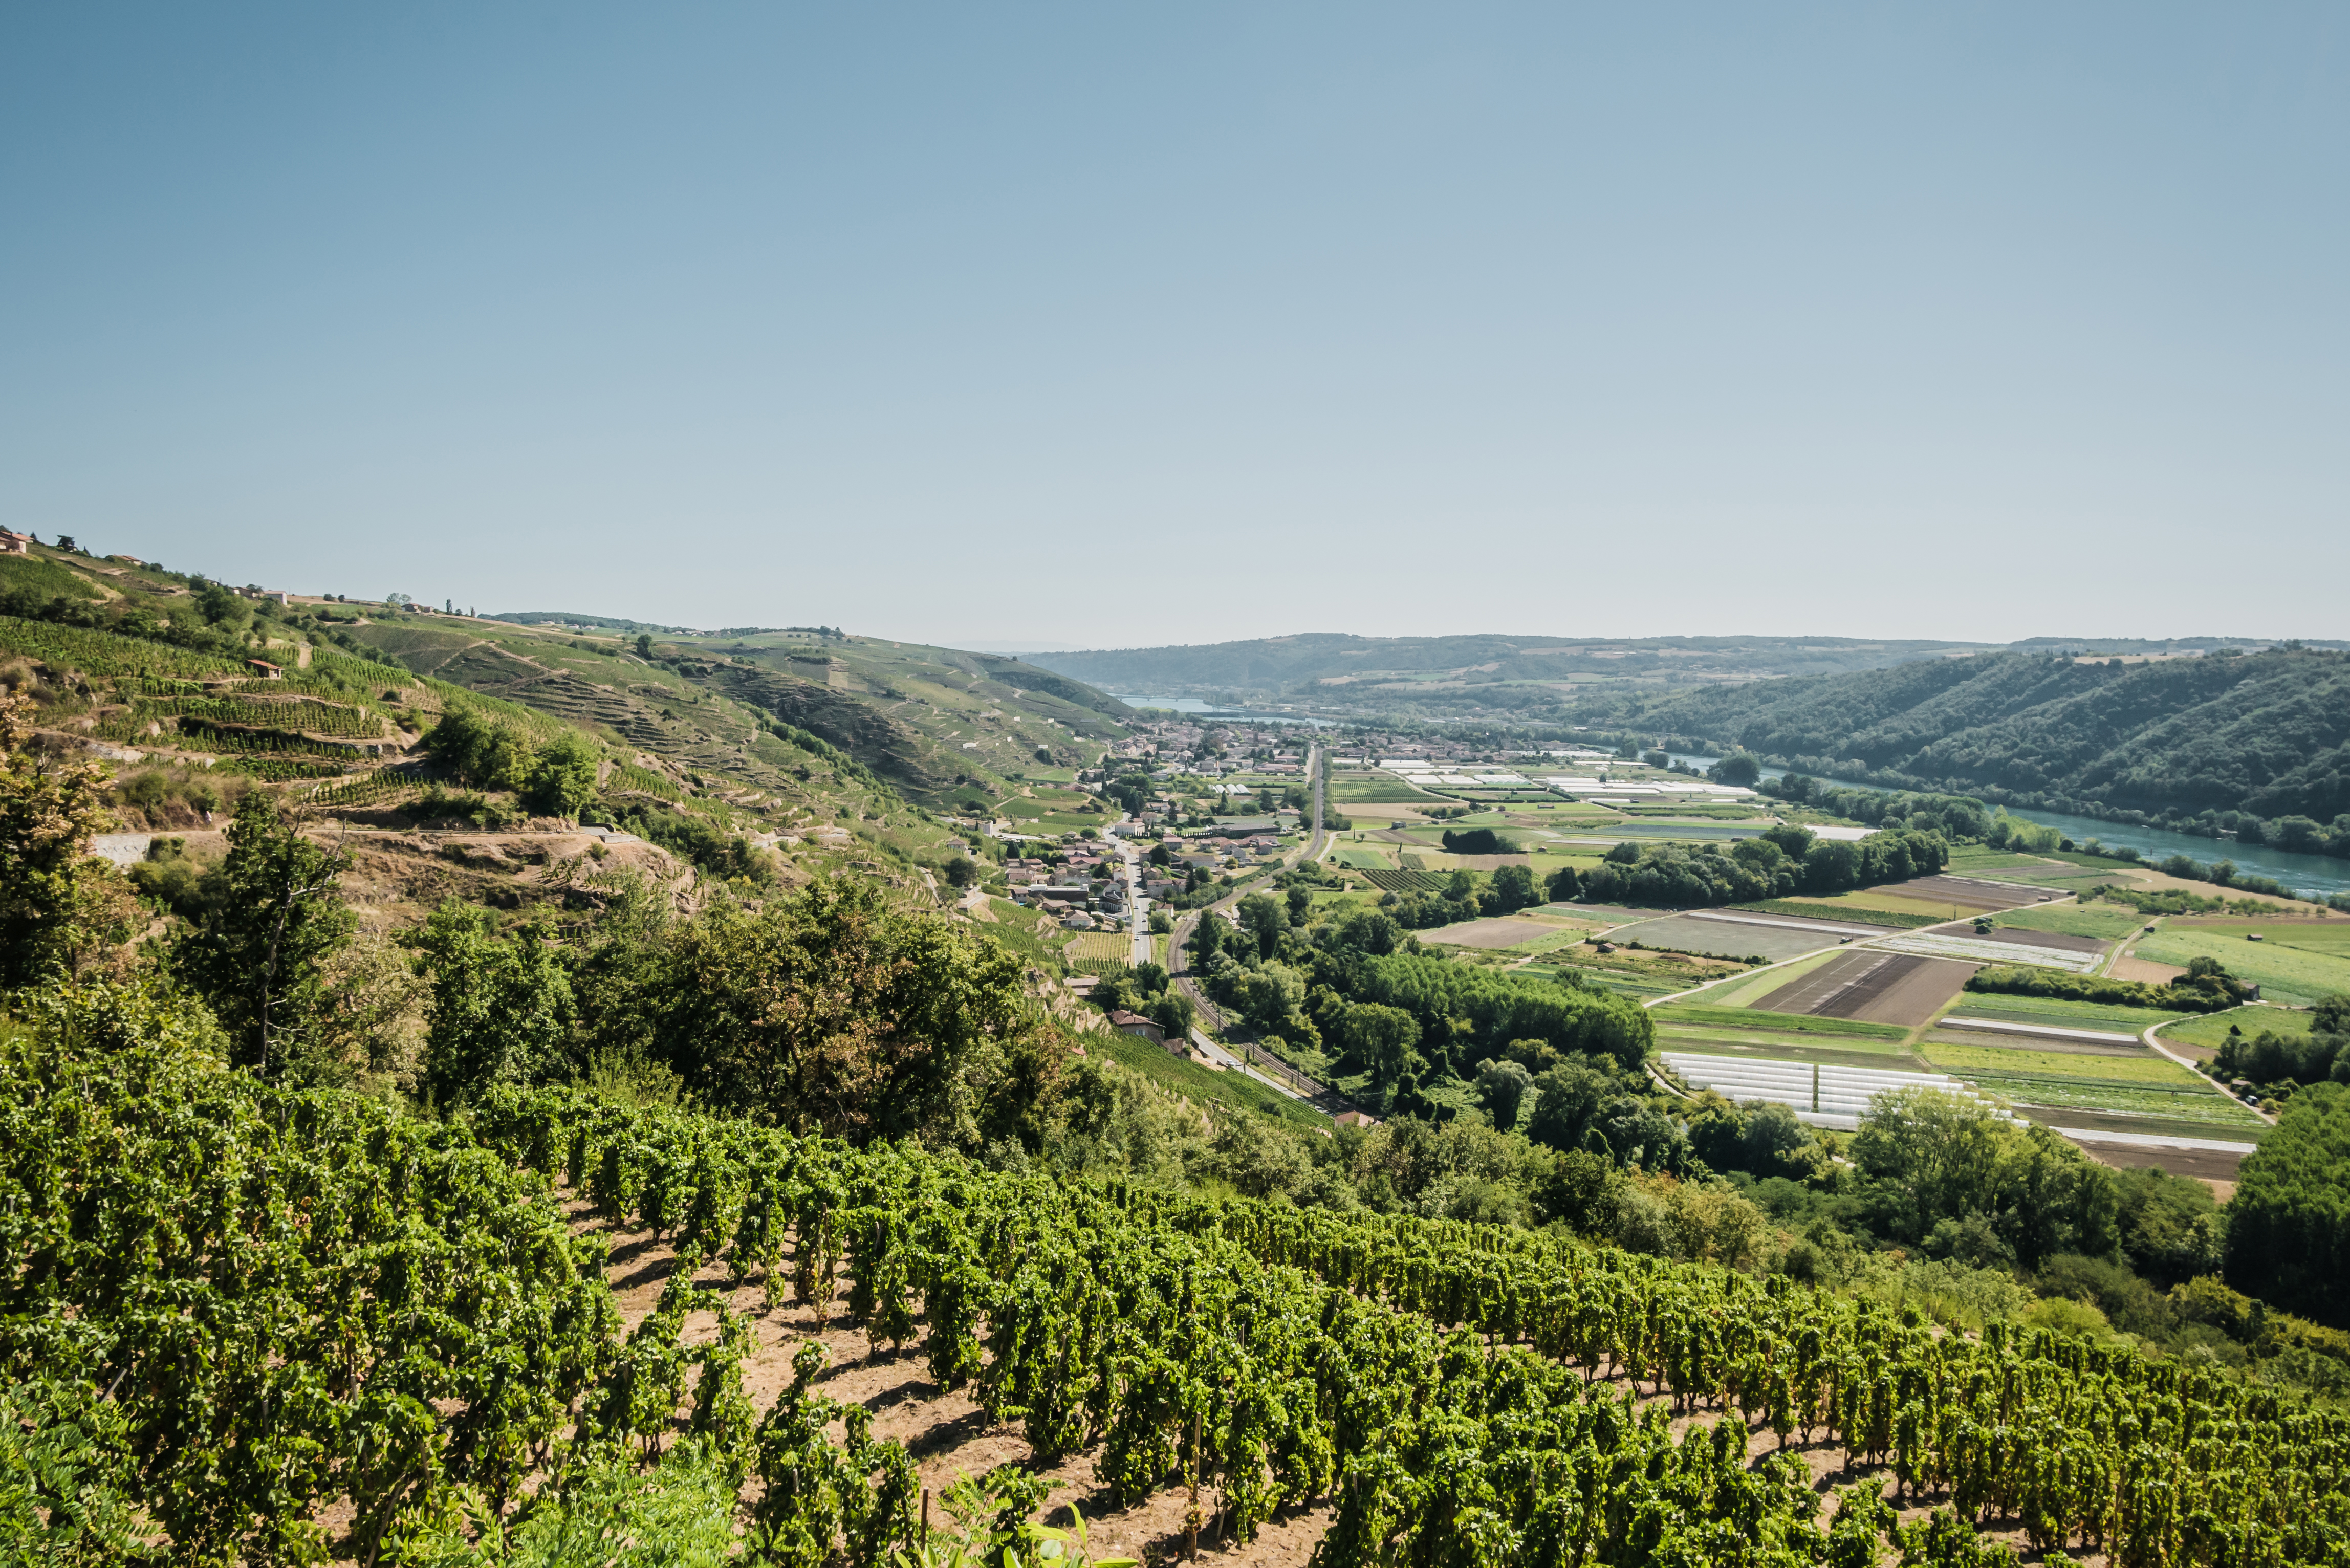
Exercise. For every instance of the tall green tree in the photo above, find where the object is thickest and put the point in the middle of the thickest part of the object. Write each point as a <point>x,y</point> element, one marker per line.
<point>2289,1222</point>
<point>828,1010</point>
<point>480,751</point>
<point>502,1009</point>
<point>275,920</point>
<point>561,778</point>
<point>1264,917</point>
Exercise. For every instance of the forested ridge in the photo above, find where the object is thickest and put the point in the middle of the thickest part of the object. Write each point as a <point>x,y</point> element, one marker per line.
<point>2170,740</point>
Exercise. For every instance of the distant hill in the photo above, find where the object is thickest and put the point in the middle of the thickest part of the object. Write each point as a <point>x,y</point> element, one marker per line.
<point>1530,680</point>
<point>1347,673</point>
<point>614,623</point>
<point>2265,733</point>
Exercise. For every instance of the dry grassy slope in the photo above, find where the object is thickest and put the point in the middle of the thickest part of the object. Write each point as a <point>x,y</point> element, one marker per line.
<point>656,711</point>
<point>904,713</point>
<point>949,1435</point>
<point>980,720</point>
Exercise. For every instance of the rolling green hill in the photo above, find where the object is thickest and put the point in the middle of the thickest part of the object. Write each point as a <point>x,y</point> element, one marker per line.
<point>842,745</point>
<point>1340,673</point>
<point>2264,733</point>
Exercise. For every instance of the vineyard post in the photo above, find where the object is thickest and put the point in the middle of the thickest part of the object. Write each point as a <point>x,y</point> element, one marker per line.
<point>1192,1515</point>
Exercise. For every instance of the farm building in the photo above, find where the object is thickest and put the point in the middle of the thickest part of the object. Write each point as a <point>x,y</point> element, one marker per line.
<point>14,544</point>
<point>1141,1028</point>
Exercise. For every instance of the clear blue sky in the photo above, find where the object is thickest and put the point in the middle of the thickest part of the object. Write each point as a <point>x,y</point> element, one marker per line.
<point>1109,324</point>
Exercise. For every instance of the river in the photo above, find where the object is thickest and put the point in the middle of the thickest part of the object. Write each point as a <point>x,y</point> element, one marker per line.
<point>2312,876</point>
<point>1196,708</point>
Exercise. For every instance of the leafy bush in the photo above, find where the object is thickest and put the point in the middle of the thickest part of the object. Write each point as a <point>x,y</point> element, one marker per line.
<point>2180,997</point>
<point>2289,1222</point>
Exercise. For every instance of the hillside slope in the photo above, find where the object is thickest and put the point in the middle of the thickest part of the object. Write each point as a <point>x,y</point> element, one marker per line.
<point>196,692</point>
<point>2266,732</point>
<point>937,724</point>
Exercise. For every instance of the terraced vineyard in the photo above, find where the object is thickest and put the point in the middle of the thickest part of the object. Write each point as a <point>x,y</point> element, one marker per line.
<point>414,1315</point>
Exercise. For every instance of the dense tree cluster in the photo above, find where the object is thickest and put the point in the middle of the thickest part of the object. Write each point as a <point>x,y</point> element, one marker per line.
<point>2289,1222</point>
<point>2280,1062</point>
<point>1467,896</point>
<point>1785,861</point>
<point>2204,987</point>
<point>554,779</point>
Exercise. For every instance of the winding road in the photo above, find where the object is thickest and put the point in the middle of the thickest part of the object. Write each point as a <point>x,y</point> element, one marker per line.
<point>1321,1096</point>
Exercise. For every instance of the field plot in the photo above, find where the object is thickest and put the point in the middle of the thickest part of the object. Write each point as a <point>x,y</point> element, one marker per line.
<point>2131,1085</point>
<point>1051,811</point>
<point>1381,790</point>
<point>2058,1013</point>
<point>1704,1015</point>
<point>1101,947</point>
<point>2295,976</point>
<point>1822,1050</point>
<point>1856,914</point>
<point>1710,832</point>
<point>1750,991</point>
<point>2080,883</point>
<point>1600,914</point>
<point>2052,941</point>
<point>1986,950</point>
<point>1978,857</point>
<point>2217,1167</point>
<point>1880,987</point>
<point>2326,936</point>
<point>1501,932</point>
<point>1973,894</point>
<point>1407,881</point>
<point>2110,921</point>
<point>1360,857</point>
<point>1834,928</point>
<point>1986,1035</point>
<point>1724,938</point>
<point>2202,1033</point>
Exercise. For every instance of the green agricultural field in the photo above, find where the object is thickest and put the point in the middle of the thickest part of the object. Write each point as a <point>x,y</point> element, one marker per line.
<point>1896,904</point>
<point>2332,936</point>
<point>2095,862</point>
<point>2084,883</point>
<point>1977,858</point>
<point>2075,919</point>
<point>2210,1030</point>
<point>2143,1067</point>
<point>2058,1013</point>
<point>1754,987</point>
<point>2293,975</point>
<point>1855,914</point>
<point>2143,1086</point>
<point>1360,857</point>
<point>1374,793</point>
<point>45,577</point>
<point>1704,1015</point>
